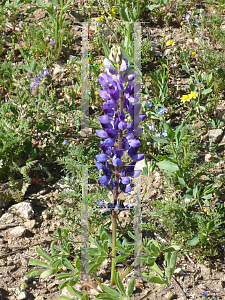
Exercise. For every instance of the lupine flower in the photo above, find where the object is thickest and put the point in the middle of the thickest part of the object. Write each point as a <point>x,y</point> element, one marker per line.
<point>157,134</point>
<point>148,143</point>
<point>108,207</point>
<point>161,111</point>
<point>118,86</point>
<point>170,43</point>
<point>65,142</point>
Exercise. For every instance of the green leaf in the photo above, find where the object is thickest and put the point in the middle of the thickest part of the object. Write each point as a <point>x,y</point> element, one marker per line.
<point>78,266</point>
<point>31,10</point>
<point>106,48</point>
<point>53,250</point>
<point>68,265</point>
<point>169,273</point>
<point>64,276</point>
<point>35,273</point>
<point>210,226</point>
<point>39,2</point>
<point>130,288</point>
<point>36,262</point>
<point>73,292</point>
<point>168,166</point>
<point>181,181</point>
<point>156,269</point>
<point>111,291</point>
<point>207,91</point>
<point>159,140</point>
<point>193,240</point>
<point>44,254</point>
<point>54,3</point>
<point>120,284</point>
<point>48,272</point>
<point>106,296</point>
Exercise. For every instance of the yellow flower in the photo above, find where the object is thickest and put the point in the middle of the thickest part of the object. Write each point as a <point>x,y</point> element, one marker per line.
<point>96,92</point>
<point>113,11</point>
<point>193,53</point>
<point>185,98</point>
<point>182,23</point>
<point>170,43</point>
<point>193,95</point>
<point>99,20</point>
<point>102,18</point>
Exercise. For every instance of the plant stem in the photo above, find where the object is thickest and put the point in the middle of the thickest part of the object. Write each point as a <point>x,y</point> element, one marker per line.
<point>113,267</point>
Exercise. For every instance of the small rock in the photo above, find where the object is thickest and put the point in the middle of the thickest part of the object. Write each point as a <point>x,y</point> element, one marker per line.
<point>22,295</point>
<point>58,70</point>
<point>18,231</point>
<point>39,298</point>
<point>22,209</point>
<point>30,224</point>
<point>209,157</point>
<point>170,296</point>
<point>215,135</point>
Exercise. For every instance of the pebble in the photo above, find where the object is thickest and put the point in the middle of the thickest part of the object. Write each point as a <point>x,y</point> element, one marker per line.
<point>215,135</point>
<point>18,231</point>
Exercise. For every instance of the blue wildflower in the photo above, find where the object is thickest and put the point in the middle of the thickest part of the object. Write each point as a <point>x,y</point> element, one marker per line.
<point>151,127</point>
<point>164,134</point>
<point>187,17</point>
<point>161,111</point>
<point>148,103</point>
<point>65,142</point>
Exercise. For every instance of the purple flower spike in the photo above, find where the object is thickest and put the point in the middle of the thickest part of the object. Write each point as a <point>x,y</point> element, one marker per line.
<point>120,121</point>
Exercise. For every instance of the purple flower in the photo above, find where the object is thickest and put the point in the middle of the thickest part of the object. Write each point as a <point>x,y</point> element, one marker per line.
<point>32,84</point>
<point>161,111</point>
<point>53,42</point>
<point>65,142</point>
<point>119,135</point>
<point>46,73</point>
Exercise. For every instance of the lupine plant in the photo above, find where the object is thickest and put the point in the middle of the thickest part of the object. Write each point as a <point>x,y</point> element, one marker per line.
<point>120,131</point>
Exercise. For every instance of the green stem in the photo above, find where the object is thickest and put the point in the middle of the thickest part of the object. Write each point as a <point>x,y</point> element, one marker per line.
<point>113,267</point>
